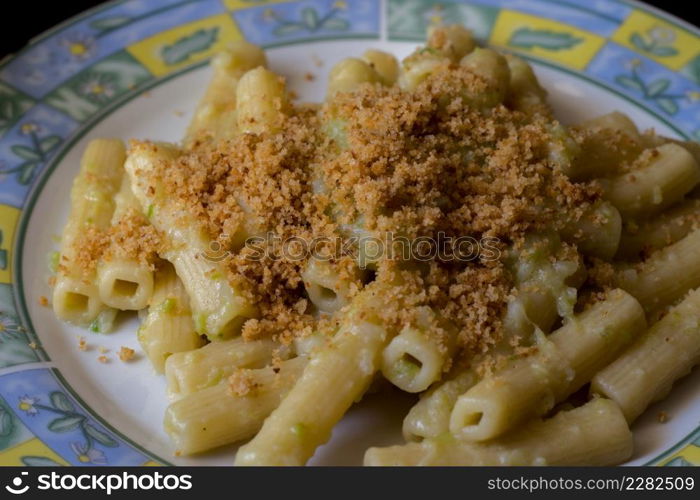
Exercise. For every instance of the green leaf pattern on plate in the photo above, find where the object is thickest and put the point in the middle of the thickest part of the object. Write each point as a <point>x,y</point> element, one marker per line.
<point>89,91</point>
<point>12,430</point>
<point>528,38</point>
<point>35,461</point>
<point>110,23</point>
<point>657,41</point>
<point>15,348</point>
<point>409,19</point>
<point>655,90</point>
<point>12,106</point>
<point>182,49</point>
<point>35,154</point>
<point>310,20</point>
<point>106,25</point>
<point>7,424</point>
<point>67,420</point>
<point>692,69</point>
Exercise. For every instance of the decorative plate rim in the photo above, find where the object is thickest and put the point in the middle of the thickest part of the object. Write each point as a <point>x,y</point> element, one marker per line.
<point>30,198</point>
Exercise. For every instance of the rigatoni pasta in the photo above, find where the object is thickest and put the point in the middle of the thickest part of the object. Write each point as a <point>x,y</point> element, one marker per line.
<point>231,410</point>
<point>430,225</point>
<point>342,371</point>
<point>666,275</point>
<point>430,417</point>
<point>196,369</point>
<point>640,238</point>
<point>349,73</point>
<point>76,296</point>
<point>564,362</point>
<point>658,179</point>
<point>420,353</point>
<point>215,116</point>
<point>645,372</point>
<point>261,101</point>
<point>218,308</point>
<point>168,327</point>
<point>125,283</point>
<point>594,434</point>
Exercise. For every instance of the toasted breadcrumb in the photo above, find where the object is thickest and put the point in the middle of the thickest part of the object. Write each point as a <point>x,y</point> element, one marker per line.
<point>240,383</point>
<point>131,238</point>
<point>43,301</point>
<point>126,353</point>
<point>103,350</point>
<point>380,160</point>
<point>103,359</point>
<point>82,344</point>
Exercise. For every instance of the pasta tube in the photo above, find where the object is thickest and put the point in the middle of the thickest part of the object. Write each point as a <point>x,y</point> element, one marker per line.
<point>336,376</point>
<point>607,143</point>
<point>125,283</point>
<point>76,297</point>
<point>328,290</point>
<point>666,174</point>
<point>597,233</point>
<point>262,101</point>
<point>525,92</point>
<point>430,417</point>
<point>349,74</point>
<point>225,413</point>
<point>418,66</point>
<point>645,372</point>
<point>616,121</point>
<point>218,308</point>
<point>385,64</point>
<point>531,386</point>
<point>215,116</point>
<point>661,231</point>
<point>666,276</point>
<point>191,371</point>
<point>593,434</point>
<point>493,68</point>
<point>455,41</point>
<point>168,327</point>
<point>543,284</point>
<point>418,355</point>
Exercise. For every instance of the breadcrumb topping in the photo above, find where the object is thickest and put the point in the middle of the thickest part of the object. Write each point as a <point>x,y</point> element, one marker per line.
<point>126,354</point>
<point>241,383</point>
<point>131,238</point>
<point>433,161</point>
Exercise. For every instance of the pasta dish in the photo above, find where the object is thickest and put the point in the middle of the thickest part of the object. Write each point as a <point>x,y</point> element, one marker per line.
<point>429,227</point>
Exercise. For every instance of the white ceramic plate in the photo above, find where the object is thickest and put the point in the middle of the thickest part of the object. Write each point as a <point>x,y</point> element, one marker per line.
<point>135,69</point>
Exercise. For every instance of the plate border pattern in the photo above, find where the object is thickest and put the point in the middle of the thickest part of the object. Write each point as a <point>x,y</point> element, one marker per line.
<point>65,81</point>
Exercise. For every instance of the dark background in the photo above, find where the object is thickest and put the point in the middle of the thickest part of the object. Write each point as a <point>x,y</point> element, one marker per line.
<point>24,19</point>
